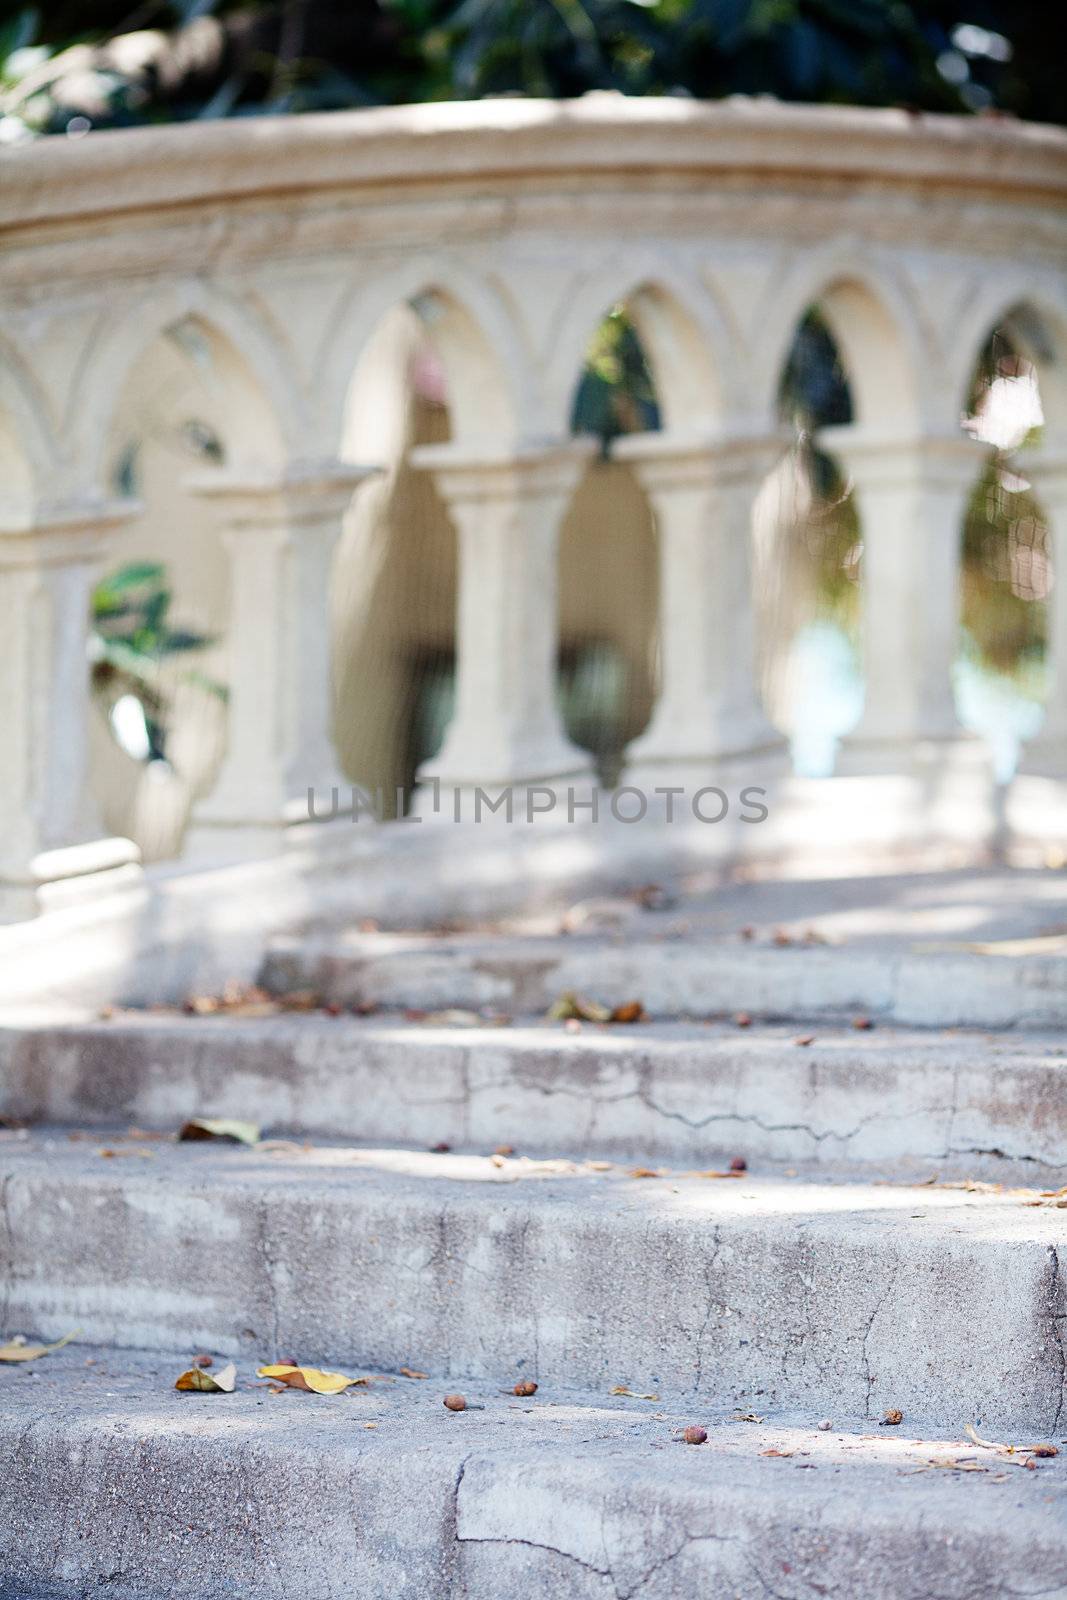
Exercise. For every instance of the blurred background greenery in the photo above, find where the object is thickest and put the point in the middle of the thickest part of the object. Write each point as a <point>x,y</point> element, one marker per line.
<point>114,62</point>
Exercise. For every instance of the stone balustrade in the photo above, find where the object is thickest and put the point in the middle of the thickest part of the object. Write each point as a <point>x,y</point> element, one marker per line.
<point>512,228</point>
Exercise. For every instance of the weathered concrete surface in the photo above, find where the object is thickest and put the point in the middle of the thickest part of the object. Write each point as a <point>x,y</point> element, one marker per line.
<point>762,1291</point>
<point>114,1483</point>
<point>699,1093</point>
<point>974,963</point>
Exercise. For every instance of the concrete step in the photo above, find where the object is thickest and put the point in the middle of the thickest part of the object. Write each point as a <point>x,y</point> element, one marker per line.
<point>140,1492</point>
<point>1006,984</point>
<point>960,1104</point>
<point>763,1291</point>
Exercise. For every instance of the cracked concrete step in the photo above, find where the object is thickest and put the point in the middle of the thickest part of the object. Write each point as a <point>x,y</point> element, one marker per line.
<point>686,975</point>
<point>114,1482</point>
<point>759,1291</point>
<point>699,1093</point>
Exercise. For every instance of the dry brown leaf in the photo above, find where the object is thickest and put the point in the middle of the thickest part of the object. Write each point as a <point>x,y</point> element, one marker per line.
<point>197,1381</point>
<point>629,1011</point>
<point>299,1000</point>
<point>17,1349</point>
<point>776,1452</point>
<point>804,1039</point>
<point>712,1172</point>
<point>409,1372</point>
<point>645,1172</point>
<point>630,1394</point>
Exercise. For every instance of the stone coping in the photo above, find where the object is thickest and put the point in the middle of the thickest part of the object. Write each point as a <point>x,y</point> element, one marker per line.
<point>506,141</point>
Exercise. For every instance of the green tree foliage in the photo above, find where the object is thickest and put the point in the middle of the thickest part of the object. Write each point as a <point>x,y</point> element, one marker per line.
<point>120,61</point>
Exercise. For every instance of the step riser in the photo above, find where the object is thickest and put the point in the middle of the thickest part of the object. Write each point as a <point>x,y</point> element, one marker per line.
<point>849,1313</point>
<point>949,1105</point>
<point>681,978</point>
<point>194,1514</point>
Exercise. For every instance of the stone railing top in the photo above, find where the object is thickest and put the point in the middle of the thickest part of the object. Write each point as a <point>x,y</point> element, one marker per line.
<point>507,141</point>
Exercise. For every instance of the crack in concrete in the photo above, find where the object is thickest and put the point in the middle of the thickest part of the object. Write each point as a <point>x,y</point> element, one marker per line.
<point>9,1247</point>
<point>870,1379</point>
<point>269,1268</point>
<point>1057,1313</point>
<point>709,1270</point>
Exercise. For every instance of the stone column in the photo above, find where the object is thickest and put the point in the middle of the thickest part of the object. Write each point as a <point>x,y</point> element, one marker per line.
<point>507,512</point>
<point>911,498</point>
<point>708,720</point>
<point>280,536</point>
<point>1046,755</point>
<point>52,843</point>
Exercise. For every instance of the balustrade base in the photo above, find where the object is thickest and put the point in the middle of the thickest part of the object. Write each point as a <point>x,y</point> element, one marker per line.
<point>1045,758</point>
<point>219,841</point>
<point>58,878</point>
<point>521,801</point>
<point>733,770</point>
<point>1036,817</point>
<point>956,756</point>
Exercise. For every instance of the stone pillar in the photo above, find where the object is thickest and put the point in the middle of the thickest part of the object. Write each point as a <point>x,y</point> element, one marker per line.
<point>52,844</point>
<point>280,536</point>
<point>911,498</point>
<point>708,719</point>
<point>507,512</point>
<point>1046,755</point>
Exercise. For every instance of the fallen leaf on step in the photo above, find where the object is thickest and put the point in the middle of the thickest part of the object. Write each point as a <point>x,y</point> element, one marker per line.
<point>299,1000</point>
<point>645,1172</point>
<point>629,1011</point>
<point>310,1378</point>
<point>776,1452</point>
<point>805,1039</point>
<point>747,1416</point>
<point>223,1128</point>
<point>1044,1451</point>
<point>712,1172</point>
<point>571,1007</point>
<point>630,1394</point>
<point>454,1017</point>
<point>409,1372</point>
<point>197,1381</point>
<point>892,1419</point>
<point>109,1153</point>
<point>17,1349</point>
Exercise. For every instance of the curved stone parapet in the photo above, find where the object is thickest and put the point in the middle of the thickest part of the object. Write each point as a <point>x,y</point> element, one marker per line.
<point>511,227</point>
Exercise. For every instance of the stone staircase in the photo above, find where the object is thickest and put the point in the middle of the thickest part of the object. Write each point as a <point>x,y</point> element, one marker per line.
<point>484,1200</point>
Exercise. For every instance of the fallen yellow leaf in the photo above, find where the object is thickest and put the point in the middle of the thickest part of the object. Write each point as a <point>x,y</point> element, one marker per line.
<point>220,1128</point>
<point>196,1380</point>
<point>310,1378</point>
<point>17,1349</point>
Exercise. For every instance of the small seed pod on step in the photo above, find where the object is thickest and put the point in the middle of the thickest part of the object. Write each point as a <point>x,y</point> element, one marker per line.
<point>695,1435</point>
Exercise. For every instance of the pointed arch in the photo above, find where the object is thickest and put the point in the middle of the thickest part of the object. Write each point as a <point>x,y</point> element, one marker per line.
<point>1039,317</point>
<point>269,420</point>
<point>875,323</point>
<point>472,329</point>
<point>687,339</point>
